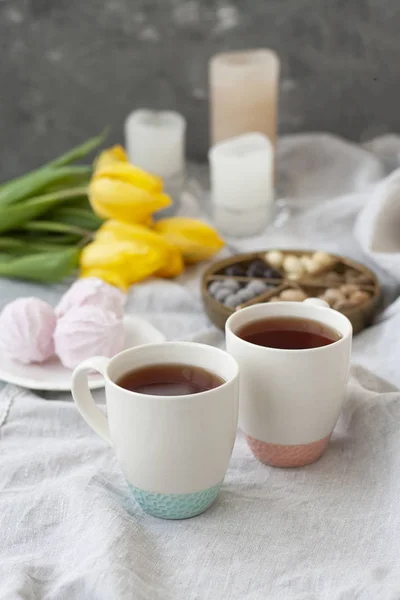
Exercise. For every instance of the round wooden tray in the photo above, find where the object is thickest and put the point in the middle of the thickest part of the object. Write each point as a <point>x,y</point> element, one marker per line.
<point>360,315</point>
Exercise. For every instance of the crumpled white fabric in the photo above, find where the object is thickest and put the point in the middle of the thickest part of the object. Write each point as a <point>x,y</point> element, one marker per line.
<point>327,531</point>
<point>378,224</point>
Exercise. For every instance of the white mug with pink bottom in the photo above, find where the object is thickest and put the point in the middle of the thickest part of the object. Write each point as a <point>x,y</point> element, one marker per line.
<point>290,399</point>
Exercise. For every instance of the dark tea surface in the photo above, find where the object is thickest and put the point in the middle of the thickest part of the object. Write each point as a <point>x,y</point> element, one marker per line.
<point>169,380</point>
<point>288,333</point>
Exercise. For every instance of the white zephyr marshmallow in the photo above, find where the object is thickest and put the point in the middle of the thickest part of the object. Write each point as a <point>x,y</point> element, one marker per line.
<point>94,292</point>
<point>87,331</point>
<point>27,327</point>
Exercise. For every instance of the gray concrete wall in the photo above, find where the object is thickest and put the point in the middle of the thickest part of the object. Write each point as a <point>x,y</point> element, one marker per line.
<point>68,67</point>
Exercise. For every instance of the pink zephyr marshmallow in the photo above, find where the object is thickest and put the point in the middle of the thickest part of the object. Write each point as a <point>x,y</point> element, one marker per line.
<point>27,327</point>
<point>94,292</point>
<point>87,331</point>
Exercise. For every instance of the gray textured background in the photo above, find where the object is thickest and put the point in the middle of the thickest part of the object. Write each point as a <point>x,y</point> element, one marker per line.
<point>68,67</point>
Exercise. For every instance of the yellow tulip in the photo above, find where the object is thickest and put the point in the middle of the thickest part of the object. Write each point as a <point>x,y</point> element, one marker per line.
<point>149,222</point>
<point>110,156</point>
<point>119,190</point>
<point>113,230</point>
<point>196,240</point>
<point>111,277</point>
<point>125,261</point>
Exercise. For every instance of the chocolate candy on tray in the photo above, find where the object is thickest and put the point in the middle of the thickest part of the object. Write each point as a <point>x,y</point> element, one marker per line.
<point>255,268</point>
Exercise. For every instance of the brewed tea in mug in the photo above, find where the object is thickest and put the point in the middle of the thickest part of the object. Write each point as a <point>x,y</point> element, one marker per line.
<point>169,379</point>
<point>288,333</point>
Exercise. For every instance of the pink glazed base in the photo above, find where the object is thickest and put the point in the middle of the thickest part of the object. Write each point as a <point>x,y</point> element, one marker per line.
<point>277,455</point>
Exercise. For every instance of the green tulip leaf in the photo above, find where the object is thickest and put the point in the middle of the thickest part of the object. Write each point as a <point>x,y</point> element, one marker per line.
<point>13,217</point>
<point>42,266</point>
<point>29,185</point>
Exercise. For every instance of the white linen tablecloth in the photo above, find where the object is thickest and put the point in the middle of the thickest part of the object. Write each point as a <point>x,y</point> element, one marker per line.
<point>327,531</point>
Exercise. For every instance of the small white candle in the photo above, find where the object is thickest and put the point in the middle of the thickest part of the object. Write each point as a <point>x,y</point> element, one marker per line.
<point>155,141</point>
<point>243,93</point>
<point>242,183</point>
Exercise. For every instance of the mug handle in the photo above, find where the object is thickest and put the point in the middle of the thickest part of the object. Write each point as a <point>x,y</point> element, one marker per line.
<point>84,399</point>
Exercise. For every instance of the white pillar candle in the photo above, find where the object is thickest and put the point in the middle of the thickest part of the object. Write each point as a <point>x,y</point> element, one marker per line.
<point>243,94</point>
<point>155,141</point>
<point>242,184</point>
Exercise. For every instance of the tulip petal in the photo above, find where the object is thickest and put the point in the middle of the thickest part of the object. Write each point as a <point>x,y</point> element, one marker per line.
<point>196,240</point>
<point>130,174</point>
<point>111,198</point>
<point>108,157</point>
<point>111,277</point>
<point>116,230</point>
<point>131,260</point>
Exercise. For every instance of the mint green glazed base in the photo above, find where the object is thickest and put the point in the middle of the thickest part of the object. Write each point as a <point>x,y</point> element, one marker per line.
<point>175,506</point>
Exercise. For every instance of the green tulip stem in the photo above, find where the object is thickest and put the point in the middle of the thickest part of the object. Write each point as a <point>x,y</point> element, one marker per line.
<point>57,228</point>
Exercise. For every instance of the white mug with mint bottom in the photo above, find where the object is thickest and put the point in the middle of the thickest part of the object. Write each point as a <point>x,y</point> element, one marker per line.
<point>174,451</point>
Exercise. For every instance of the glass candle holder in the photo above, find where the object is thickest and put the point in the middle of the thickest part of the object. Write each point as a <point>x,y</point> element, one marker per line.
<point>241,172</point>
<point>155,141</point>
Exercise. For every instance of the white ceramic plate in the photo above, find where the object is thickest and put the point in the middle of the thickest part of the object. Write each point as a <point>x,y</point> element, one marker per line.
<point>52,376</point>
